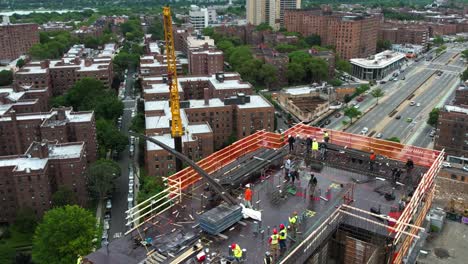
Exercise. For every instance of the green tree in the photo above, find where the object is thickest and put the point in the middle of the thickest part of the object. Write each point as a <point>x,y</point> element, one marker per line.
<point>26,220</point>
<point>464,75</point>
<point>7,253</point>
<point>109,137</point>
<point>394,139</point>
<point>124,60</point>
<point>263,27</point>
<point>268,74</point>
<point>20,63</point>
<point>343,65</point>
<point>295,73</point>
<point>64,234</point>
<point>6,77</point>
<point>101,177</point>
<point>335,82</point>
<point>464,54</point>
<point>433,117</point>
<point>438,40</point>
<point>317,69</point>
<point>377,93</point>
<point>138,123</point>
<point>383,45</point>
<point>285,48</point>
<point>352,112</point>
<point>313,40</point>
<point>156,29</point>
<point>63,196</point>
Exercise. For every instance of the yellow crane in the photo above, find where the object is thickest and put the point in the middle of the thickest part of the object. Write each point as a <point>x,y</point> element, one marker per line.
<point>176,124</point>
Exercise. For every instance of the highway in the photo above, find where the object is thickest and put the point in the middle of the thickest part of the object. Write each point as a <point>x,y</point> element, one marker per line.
<point>429,89</point>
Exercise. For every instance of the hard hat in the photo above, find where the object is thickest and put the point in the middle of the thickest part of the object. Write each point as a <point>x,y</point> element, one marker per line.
<point>233,246</point>
<point>247,185</point>
<point>315,139</point>
<point>275,231</point>
<point>281,226</point>
<point>289,135</point>
<point>267,253</point>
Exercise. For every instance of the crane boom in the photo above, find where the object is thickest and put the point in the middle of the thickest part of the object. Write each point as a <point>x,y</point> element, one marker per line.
<point>176,125</point>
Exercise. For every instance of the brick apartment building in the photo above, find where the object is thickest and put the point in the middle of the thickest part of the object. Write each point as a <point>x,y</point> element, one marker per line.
<point>209,124</point>
<point>205,61</point>
<point>220,85</point>
<point>16,39</point>
<point>23,99</point>
<point>156,65</point>
<point>273,57</point>
<point>19,131</point>
<point>353,35</point>
<point>452,131</point>
<point>62,74</point>
<point>399,34</point>
<point>30,179</point>
<point>249,35</point>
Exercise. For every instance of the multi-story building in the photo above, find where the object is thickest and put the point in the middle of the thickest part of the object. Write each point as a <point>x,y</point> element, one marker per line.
<point>273,57</point>
<point>156,65</point>
<point>24,99</point>
<point>34,74</point>
<point>18,131</point>
<point>452,130</point>
<point>201,17</point>
<point>352,35</point>
<point>16,39</point>
<point>209,124</point>
<point>418,35</point>
<point>197,42</point>
<point>270,12</point>
<point>205,61</point>
<point>220,85</point>
<point>461,96</point>
<point>30,179</point>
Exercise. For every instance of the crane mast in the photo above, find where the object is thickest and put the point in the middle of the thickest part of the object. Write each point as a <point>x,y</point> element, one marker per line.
<point>176,124</point>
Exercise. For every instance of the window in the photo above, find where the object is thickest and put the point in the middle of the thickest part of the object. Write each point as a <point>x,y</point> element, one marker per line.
<point>454,177</point>
<point>462,178</point>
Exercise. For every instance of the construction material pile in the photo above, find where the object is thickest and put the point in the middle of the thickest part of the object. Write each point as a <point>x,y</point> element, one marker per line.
<point>220,218</point>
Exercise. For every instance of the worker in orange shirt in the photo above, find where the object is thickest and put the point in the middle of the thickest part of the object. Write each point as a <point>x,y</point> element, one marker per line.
<point>372,160</point>
<point>248,196</point>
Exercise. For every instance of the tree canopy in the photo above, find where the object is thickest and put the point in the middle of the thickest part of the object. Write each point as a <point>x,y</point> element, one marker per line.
<point>352,112</point>
<point>63,196</point>
<point>101,176</point>
<point>6,77</point>
<point>343,65</point>
<point>383,45</point>
<point>377,93</point>
<point>433,117</point>
<point>313,40</point>
<point>64,234</point>
<point>394,139</point>
<point>438,40</point>
<point>464,75</point>
<point>315,69</point>
<point>52,45</point>
<point>109,137</point>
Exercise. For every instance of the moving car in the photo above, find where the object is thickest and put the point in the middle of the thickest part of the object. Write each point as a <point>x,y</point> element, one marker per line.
<point>337,115</point>
<point>379,135</point>
<point>403,78</point>
<point>364,130</point>
<point>398,117</point>
<point>412,103</point>
<point>418,104</point>
<point>409,119</point>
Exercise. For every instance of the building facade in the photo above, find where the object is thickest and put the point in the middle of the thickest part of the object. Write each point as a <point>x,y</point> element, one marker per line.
<point>205,61</point>
<point>418,35</point>
<point>29,180</point>
<point>452,131</point>
<point>201,17</point>
<point>270,12</point>
<point>19,131</point>
<point>352,35</point>
<point>378,66</point>
<point>16,39</point>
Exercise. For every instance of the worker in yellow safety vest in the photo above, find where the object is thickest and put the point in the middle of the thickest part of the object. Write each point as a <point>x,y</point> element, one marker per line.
<point>292,223</point>
<point>274,240</point>
<point>326,137</point>
<point>315,148</point>
<point>236,252</point>
<point>283,234</point>
<point>80,258</point>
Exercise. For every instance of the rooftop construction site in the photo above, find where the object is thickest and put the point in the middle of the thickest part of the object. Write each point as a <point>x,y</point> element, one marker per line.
<point>361,209</point>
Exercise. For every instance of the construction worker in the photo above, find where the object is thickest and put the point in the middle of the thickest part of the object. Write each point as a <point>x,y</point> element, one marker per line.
<point>326,137</point>
<point>372,160</point>
<point>312,184</point>
<point>287,168</point>
<point>291,141</point>
<point>274,241</point>
<point>268,259</point>
<point>293,222</point>
<point>248,196</point>
<point>315,148</point>
<point>236,253</point>
<point>283,235</point>
<point>80,258</point>
<point>308,144</point>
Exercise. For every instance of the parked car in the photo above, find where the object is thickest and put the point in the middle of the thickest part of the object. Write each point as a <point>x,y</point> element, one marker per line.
<point>108,204</point>
<point>432,134</point>
<point>465,168</point>
<point>337,115</point>
<point>357,106</point>
<point>446,164</point>
<point>398,117</point>
<point>327,122</point>
<point>360,99</point>
<point>106,225</point>
<point>379,135</point>
<point>412,103</point>
<point>364,130</point>
<point>107,215</point>
<point>409,119</point>
<point>132,150</point>
<point>403,78</point>
<point>130,197</point>
<point>383,82</point>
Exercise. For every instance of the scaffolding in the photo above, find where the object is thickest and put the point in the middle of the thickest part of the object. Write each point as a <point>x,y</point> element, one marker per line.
<point>180,184</point>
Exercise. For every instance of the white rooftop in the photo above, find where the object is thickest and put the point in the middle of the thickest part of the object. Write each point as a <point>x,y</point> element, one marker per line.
<point>458,109</point>
<point>65,151</point>
<point>167,140</point>
<point>195,42</point>
<point>32,68</point>
<point>154,48</point>
<point>75,117</point>
<point>12,95</point>
<point>256,101</point>
<point>23,163</point>
<point>300,90</point>
<point>379,60</point>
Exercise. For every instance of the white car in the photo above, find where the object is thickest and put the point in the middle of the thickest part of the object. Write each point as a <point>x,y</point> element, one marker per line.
<point>357,106</point>
<point>379,135</point>
<point>364,130</point>
<point>130,197</point>
<point>412,103</point>
<point>106,224</point>
<point>465,168</point>
<point>418,104</point>
<point>446,164</point>
<point>131,176</point>
<point>108,204</point>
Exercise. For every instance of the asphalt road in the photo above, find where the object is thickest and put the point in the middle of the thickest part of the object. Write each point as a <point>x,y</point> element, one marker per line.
<point>437,90</point>
<point>119,198</point>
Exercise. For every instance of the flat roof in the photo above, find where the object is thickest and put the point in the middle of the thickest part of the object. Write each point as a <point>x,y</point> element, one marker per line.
<point>458,109</point>
<point>71,116</point>
<point>12,94</point>
<point>256,101</point>
<point>379,60</point>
